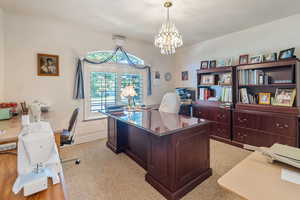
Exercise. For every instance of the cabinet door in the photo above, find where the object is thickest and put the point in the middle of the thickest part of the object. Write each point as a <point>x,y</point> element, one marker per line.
<point>112,131</point>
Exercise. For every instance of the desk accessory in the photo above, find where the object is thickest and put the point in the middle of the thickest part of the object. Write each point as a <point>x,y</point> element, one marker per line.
<point>279,152</point>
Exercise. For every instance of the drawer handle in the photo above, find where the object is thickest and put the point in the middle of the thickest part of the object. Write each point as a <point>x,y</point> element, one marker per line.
<point>242,120</point>
<point>282,126</point>
<point>221,116</point>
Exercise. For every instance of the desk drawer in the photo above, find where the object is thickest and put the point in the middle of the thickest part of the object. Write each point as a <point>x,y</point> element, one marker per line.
<point>221,115</point>
<point>202,112</point>
<point>283,126</point>
<point>244,119</point>
<point>220,130</point>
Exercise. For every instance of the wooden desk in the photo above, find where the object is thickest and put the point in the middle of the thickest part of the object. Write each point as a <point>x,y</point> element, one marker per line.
<point>256,179</point>
<point>172,148</point>
<point>13,126</point>
<point>8,167</point>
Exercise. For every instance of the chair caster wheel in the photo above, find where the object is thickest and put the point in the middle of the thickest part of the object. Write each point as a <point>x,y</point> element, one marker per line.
<point>77,162</point>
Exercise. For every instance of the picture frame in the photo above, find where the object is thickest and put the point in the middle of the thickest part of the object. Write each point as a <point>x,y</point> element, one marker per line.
<point>47,65</point>
<point>244,59</point>
<point>212,64</point>
<point>244,98</point>
<point>185,75</point>
<point>207,80</point>
<point>221,63</point>
<point>229,62</point>
<point>225,79</point>
<point>286,54</point>
<point>264,98</point>
<point>204,64</point>
<point>284,97</point>
<point>270,57</point>
<point>157,75</point>
<point>256,59</point>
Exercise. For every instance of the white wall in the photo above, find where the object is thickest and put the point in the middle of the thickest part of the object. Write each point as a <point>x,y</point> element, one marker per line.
<point>270,37</point>
<point>26,36</point>
<point>1,56</point>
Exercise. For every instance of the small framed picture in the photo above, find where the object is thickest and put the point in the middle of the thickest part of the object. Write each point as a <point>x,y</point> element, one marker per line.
<point>244,59</point>
<point>185,75</point>
<point>204,65</point>
<point>284,97</point>
<point>264,98</point>
<point>212,64</point>
<point>157,75</point>
<point>228,62</point>
<point>225,79</point>
<point>48,65</point>
<point>256,59</point>
<point>285,54</point>
<point>271,57</point>
<point>207,80</point>
<point>221,63</point>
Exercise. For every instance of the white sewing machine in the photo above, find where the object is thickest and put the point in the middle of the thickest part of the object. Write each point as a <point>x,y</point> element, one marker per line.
<point>38,159</point>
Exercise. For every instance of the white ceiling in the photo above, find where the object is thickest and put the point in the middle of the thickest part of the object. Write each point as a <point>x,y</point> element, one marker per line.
<point>197,20</point>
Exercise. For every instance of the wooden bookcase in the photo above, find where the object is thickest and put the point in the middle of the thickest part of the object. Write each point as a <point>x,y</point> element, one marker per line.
<point>219,112</point>
<point>255,124</point>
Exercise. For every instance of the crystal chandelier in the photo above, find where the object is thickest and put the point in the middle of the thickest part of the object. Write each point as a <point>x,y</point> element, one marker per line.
<point>168,38</point>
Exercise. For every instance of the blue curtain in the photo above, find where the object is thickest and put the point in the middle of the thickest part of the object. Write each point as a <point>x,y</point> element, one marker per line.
<point>79,84</point>
<point>79,87</point>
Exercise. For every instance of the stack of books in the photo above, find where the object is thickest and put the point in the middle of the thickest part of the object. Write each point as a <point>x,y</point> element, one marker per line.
<point>205,93</point>
<point>251,77</point>
<point>226,95</point>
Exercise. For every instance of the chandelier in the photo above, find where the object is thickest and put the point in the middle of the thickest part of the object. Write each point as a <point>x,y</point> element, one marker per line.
<point>168,38</point>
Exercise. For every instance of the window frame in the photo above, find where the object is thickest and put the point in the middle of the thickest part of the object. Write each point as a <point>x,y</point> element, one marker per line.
<point>118,68</point>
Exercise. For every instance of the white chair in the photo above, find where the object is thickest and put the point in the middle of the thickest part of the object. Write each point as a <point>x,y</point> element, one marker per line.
<point>170,103</point>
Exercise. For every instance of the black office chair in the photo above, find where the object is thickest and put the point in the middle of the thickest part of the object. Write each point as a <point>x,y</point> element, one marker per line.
<point>67,135</point>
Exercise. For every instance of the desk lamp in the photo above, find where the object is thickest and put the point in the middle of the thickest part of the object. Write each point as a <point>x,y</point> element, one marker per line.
<point>129,92</point>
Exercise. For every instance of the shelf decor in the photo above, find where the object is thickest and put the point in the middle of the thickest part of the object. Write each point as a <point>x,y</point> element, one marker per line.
<point>284,97</point>
<point>264,98</point>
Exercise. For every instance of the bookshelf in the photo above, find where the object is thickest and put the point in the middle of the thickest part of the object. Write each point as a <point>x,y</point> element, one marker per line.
<point>253,79</point>
<point>237,122</point>
<point>221,90</point>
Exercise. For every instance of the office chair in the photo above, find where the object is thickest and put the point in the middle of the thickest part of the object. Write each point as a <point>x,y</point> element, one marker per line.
<point>170,103</point>
<point>67,135</point>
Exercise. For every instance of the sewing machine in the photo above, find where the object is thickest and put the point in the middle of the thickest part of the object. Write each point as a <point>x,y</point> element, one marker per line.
<point>37,160</point>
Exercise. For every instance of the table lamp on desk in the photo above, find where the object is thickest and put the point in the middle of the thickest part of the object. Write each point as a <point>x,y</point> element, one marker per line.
<point>37,159</point>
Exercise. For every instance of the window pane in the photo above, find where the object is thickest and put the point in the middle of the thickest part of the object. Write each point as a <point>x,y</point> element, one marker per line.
<point>136,81</point>
<point>103,90</point>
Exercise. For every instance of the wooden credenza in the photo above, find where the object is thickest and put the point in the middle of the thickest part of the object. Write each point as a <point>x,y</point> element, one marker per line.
<point>265,128</point>
<point>241,126</point>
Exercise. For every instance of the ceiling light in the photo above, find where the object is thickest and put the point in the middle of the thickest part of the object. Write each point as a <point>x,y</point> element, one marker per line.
<point>168,38</point>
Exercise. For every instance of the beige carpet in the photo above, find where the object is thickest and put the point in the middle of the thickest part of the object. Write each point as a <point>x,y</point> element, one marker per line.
<point>103,175</point>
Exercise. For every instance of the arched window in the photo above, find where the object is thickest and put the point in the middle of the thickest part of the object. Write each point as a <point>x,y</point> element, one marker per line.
<point>118,58</point>
<point>103,85</point>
